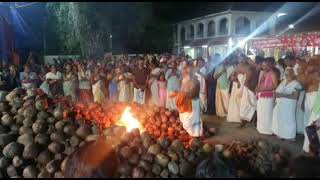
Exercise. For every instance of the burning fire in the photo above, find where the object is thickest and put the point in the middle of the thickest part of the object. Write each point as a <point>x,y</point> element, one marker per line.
<point>129,121</point>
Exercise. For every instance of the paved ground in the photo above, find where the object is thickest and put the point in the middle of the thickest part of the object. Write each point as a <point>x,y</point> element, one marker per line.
<point>230,131</point>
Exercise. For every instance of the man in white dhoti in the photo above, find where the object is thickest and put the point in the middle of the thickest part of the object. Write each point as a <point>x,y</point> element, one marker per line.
<point>248,102</point>
<point>153,83</point>
<point>222,95</point>
<point>191,121</point>
<point>140,81</point>
<point>267,84</point>
<point>284,112</point>
<point>173,77</point>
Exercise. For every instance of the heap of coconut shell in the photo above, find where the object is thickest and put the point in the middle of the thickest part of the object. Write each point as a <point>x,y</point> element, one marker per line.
<point>36,139</point>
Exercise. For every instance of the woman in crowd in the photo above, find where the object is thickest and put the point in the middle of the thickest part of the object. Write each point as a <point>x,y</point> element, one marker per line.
<point>54,82</point>
<point>124,79</point>
<point>97,86</point>
<point>173,78</point>
<point>85,92</point>
<point>284,112</point>
<point>268,83</point>
<point>13,77</point>
<point>69,82</point>
<point>162,84</point>
<point>28,78</point>
<point>113,85</point>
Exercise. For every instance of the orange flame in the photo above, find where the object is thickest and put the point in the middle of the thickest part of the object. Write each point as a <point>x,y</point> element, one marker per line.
<point>129,121</point>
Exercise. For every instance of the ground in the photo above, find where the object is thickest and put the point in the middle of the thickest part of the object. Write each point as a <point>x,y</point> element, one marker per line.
<point>230,131</point>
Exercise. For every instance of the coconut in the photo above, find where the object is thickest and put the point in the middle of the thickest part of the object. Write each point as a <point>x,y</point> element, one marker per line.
<point>60,125</point>
<point>58,112</point>
<point>69,129</point>
<point>7,120</point>
<point>74,141</point>
<point>57,136</point>
<point>39,127</point>
<point>164,173</point>
<point>17,161</point>
<point>147,157</point>
<point>44,157</point>
<point>40,105</point>
<point>177,145</point>
<point>4,162</point>
<point>53,166</point>
<point>30,172</point>
<point>156,169</point>
<point>13,111</point>
<point>4,107</point>
<point>29,112</point>
<point>25,130</point>
<point>31,151</point>
<point>12,149</point>
<point>83,131</point>
<point>125,152</point>
<point>164,142</point>
<point>185,168</point>
<point>55,147</point>
<point>12,171</point>
<point>44,174</point>
<point>173,168</point>
<point>144,165</point>
<point>154,149</point>
<point>16,102</point>
<point>25,139</point>
<point>51,120</point>
<point>18,119</point>
<point>6,139</point>
<point>137,172</point>
<point>3,129</point>
<point>124,168</point>
<point>92,137</point>
<point>51,129</point>
<point>162,160</point>
<point>28,122</point>
<point>42,139</point>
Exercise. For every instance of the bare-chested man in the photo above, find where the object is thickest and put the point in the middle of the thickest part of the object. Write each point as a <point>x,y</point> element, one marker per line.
<point>191,121</point>
<point>311,87</point>
<point>246,72</point>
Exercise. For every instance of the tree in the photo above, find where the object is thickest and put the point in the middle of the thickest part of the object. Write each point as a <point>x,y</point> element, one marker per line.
<point>81,28</point>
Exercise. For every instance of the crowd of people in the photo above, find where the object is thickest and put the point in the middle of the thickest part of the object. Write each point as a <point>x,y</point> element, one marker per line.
<point>280,97</point>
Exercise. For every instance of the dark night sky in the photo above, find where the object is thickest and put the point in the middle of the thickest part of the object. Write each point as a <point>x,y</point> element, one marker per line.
<point>177,11</point>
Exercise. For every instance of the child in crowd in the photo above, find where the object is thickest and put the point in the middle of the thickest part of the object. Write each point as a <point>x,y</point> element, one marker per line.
<point>162,84</point>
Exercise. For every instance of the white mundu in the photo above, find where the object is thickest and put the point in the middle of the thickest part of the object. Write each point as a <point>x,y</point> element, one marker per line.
<point>284,112</point>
